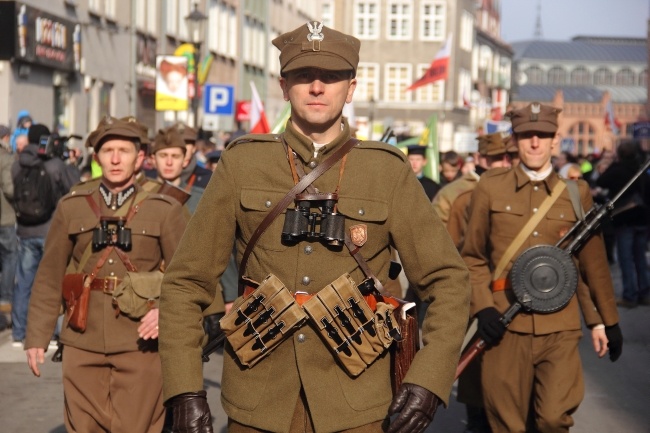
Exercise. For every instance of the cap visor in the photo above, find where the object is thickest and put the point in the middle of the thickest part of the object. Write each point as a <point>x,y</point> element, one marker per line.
<point>320,60</point>
<point>536,126</point>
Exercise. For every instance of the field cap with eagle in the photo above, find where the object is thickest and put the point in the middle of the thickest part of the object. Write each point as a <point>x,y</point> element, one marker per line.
<point>315,46</point>
<point>126,127</point>
<point>534,117</point>
<point>493,144</point>
<point>168,138</point>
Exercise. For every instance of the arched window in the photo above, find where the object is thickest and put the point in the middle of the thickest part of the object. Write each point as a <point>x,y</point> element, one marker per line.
<point>580,77</point>
<point>625,77</point>
<point>535,75</point>
<point>603,77</point>
<point>557,76</point>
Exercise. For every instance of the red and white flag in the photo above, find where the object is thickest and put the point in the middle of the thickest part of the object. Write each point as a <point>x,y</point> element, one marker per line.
<point>259,124</point>
<point>610,121</point>
<point>439,68</point>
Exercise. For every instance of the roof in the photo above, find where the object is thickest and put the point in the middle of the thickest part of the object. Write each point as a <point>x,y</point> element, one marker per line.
<point>621,95</point>
<point>618,50</point>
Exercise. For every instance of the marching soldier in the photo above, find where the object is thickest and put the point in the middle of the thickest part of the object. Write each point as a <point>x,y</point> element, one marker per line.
<point>99,236</point>
<point>283,373</point>
<point>536,357</point>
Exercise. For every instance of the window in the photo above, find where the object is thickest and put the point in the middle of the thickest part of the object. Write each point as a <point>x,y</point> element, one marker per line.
<point>432,20</point>
<point>467,31</point>
<point>434,92</point>
<point>580,77</point>
<point>141,15</point>
<point>399,20</point>
<point>172,17</point>
<point>535,75</point>
<point>327,13</point>
<point>398,78</point>
<point>464,88</point>
<point>183,11</point>
<point>366,19</point>
<point>584,134</point>
<point>222,37</point>
<point>152,16</point>
<point>603,77</point>
<point>557,76</point>
<point>643,78</point>
<point>367,82</point>
<point>625,77</point>
<point>94,6</point>
<point>109,9</point>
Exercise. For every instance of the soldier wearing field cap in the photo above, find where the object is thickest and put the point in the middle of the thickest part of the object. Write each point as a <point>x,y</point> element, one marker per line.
<point>536,357</point>
<point>111,369</point>
<point>300,386</point>
<point>193,173</point>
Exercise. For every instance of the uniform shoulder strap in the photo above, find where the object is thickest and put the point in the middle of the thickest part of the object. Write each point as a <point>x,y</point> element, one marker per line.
<point>574,194</point>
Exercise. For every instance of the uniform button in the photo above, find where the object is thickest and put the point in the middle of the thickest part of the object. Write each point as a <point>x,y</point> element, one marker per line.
<point>73,193</point>
<point>508,208</point>
<point>309,249</point>
<point>267,203</point>
<point>535,210</point>
<point>301,338</point>
<point>306,280</point>
<point>111,261</point>
<point>112,274</point>
<point>362,212</point>
<point>144,232</point>
<point>535,234</point>
<point>561,215</point>
<point>535,188</point>
<point>82,228</point>
<point>313,164</point>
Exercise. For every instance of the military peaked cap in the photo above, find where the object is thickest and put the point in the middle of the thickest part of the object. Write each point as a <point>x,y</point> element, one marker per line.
<point>493,144</point>
<point>126,127</point>
<point>534,117</point>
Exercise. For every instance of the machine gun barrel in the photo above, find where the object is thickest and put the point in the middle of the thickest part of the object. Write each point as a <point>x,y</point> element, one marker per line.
<point>590,225</point>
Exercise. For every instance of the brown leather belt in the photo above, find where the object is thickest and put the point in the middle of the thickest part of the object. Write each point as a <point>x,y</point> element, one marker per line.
<point>501,285</point>
<point>301,298</point>
<point>106,284</point>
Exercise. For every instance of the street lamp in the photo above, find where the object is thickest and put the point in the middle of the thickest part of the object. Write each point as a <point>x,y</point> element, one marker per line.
<point>195,22</point>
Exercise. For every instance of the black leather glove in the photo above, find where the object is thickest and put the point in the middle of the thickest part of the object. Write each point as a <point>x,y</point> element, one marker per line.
<point>416,407</point>
<point>191,413</point>
<point>490,327</point>
<point>615,345</point>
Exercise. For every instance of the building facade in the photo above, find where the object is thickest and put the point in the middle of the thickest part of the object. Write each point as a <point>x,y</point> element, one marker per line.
<point>600,83</point>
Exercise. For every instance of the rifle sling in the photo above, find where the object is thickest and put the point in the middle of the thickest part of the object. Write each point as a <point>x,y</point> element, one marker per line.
<point>282,204</point>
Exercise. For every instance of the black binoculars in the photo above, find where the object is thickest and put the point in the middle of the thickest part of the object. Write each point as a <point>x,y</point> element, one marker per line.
<point>111,231</point>
<point>301,222</point>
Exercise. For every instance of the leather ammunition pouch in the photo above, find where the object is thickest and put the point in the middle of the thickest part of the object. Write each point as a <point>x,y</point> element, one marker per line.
<point>355,334</point>
<point>138,293</point>
<point>76,296</point>
<point>262,320</point>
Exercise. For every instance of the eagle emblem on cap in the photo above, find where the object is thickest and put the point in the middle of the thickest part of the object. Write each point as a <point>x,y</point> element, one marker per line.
<point>535,109</point>
<point>315,31</point>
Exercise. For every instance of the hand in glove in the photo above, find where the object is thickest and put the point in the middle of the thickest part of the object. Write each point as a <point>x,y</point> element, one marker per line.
<point>490,327</point>
<point>190,412</point>
<point>416,407</point>
<point>615,337</point>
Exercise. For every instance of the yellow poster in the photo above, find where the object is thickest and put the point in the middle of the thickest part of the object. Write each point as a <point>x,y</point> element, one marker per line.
<point>172,83</point>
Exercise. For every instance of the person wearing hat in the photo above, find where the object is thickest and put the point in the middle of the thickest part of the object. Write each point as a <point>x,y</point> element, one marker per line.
<point>418,159</point>
<point>8,240</point>
<point>534,362</point>
<point>31,236</point>
<point>300,386</point>
<point>193,172</point>
<point>22,128</point>
<point>111,369</point>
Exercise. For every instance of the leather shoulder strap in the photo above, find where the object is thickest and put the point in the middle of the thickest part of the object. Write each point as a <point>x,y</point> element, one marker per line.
<point>574,194</point>
<point>528,228</point>
<point>282,204</point>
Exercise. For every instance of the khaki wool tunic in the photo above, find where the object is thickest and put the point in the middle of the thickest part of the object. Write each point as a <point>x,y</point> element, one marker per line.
<point>379,189</point>
<point>503,201</point>
<point>156,230</point>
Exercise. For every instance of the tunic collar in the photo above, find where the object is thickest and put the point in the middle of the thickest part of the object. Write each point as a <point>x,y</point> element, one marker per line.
<point>523,179</point>
<point>115,201</point>
<point>304,146</point>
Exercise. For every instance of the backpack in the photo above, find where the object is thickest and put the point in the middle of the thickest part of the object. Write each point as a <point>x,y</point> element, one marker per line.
<point>34,197</point>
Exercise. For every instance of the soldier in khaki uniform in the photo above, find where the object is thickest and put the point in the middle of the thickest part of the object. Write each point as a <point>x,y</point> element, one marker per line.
<point>537,356</point>
<point>111,371</point>
<point>299,386</point>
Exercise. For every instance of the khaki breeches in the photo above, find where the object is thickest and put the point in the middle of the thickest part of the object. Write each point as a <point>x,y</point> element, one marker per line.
<point>117,393</point>
<point>545,368</point>
<point>301,423</point>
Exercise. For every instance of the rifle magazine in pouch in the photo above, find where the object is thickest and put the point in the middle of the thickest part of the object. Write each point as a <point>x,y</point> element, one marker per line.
<point>335,338</point>
<point>261,321</point>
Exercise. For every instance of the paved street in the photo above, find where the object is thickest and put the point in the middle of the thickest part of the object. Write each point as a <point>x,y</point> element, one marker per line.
<point>617,394</point>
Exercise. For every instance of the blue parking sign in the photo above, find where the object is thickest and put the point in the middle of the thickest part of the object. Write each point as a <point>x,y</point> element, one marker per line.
<point>219,99</point>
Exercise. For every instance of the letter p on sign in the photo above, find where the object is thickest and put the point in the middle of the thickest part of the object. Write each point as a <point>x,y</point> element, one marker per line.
<point>219,99</point>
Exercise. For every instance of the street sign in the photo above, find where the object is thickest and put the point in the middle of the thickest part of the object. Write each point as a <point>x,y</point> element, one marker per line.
<point>243,111</point>
<point>641,130</point>
<point>219,99</point>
